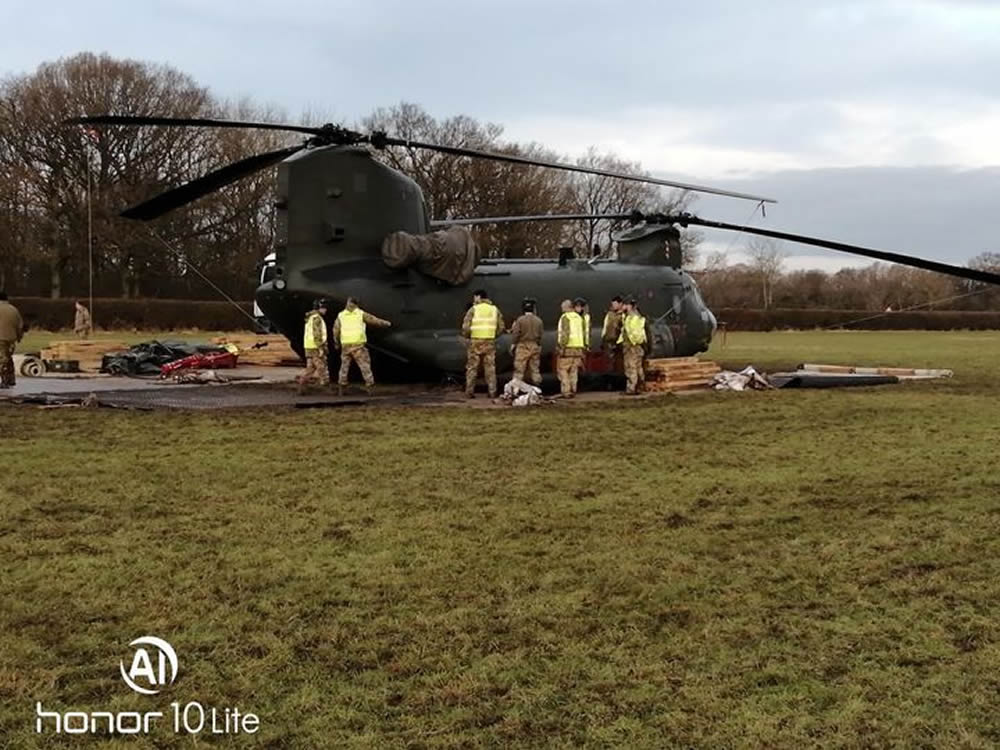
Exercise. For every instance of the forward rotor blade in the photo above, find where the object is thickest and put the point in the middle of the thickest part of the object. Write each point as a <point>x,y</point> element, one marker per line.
<point>907,260</point>
<point>192,191</point>
<point>378,140</point>
<point>187,122</point>
<point>535,217</point>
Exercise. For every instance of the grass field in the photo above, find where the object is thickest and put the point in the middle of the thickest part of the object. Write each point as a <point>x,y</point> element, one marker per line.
<point>781,569</point>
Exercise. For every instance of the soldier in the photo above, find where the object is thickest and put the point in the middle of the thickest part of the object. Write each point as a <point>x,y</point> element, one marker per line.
<point>635,339</point>
<point>481,326</point>
<point>612,330</point>
<point>569,349</point>
<point>81,323</point>
<point>583,310</point>
<point>11,332</point>
<point>315,344</point>
<point>526,344</point>
<point>349,336</point>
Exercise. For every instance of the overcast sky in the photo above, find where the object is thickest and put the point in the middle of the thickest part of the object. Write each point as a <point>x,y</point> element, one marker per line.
<point>874,122</point>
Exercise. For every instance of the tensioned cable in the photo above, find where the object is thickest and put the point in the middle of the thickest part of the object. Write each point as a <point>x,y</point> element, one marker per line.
<point>180,256</point>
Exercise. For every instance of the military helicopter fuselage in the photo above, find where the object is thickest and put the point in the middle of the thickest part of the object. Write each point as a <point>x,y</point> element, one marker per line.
<point>336,205</point>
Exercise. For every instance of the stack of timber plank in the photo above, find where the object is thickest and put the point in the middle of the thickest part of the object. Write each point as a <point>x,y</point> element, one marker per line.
<point>276,352</point>
<point>679,374</point>
<point>88,352</point>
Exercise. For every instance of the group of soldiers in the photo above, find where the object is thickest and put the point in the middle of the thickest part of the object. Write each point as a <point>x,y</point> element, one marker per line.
<point>624,329</point>
<point>350,337</point>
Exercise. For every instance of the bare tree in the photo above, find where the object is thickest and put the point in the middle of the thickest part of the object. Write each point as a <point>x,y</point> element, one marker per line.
<point>989,295</point>
<point>457,186</point>
<point>120,163</point>
<point>767,258</point>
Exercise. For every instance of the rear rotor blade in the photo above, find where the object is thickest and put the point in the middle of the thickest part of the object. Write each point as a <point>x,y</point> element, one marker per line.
<point>907,260</point>
<point>192,191</point>
<point>379,139</point>
<point>187,122</point>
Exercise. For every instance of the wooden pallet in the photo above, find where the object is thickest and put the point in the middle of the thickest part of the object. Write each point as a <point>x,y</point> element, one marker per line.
<point>88,352</point>
<point>277,352</point>
<point>679,374</point>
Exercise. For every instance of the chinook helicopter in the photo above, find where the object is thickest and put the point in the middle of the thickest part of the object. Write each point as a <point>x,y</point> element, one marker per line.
<point>348,225</point>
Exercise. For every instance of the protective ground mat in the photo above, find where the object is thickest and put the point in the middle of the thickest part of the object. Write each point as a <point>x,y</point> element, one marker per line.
<point>825,380</point>
<point>224,397</point>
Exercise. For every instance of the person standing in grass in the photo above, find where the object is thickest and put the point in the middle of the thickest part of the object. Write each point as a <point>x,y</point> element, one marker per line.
<point>583,310</point>
<point>350,337</point>
<point>634,339</point>
<point>526,344</point>
<point>11,332</point>
<point>480,328</point>
<point>612,330</point>
<point>569,349</point>
<point>314,341</point>
<point>81,324</point>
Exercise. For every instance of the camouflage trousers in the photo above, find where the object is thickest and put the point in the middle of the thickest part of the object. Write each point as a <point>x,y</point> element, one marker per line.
<point>317,368</point>
<point>611,352</point>
<point>568,369</point>
<point>7,363</point>
<point>528,362</point>
<point>357,353</point>
<point>632,357</point>
<point>484,353</point>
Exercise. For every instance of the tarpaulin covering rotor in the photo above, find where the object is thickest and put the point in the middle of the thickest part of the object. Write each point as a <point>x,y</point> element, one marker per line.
<point>450,255</point>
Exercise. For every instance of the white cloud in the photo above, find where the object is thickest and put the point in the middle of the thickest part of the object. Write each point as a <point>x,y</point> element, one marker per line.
<point>945,130</point>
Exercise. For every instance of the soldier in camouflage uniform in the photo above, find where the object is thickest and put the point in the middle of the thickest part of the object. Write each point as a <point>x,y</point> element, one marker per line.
<point>526,344</point>
<point>316,348</point>
<point>11,332</point>
<point>480,328</point>
<point>81,321</point>
<point>569,349</point>
<point>635,339</point>
<point>350,337</point>
<point>612,330</point>
<point>583,310</point>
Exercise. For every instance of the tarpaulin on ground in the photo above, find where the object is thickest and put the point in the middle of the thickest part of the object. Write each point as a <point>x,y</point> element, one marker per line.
<point>744,380</point>
<point>450,255</point>
<point>148,357</point>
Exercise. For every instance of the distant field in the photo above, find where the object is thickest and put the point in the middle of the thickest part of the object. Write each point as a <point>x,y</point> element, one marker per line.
<point>783,569</point>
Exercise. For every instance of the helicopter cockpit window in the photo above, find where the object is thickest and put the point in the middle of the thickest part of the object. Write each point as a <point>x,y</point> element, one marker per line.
<point>268,274</point>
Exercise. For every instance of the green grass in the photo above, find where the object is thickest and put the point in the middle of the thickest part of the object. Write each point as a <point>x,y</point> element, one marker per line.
<point>781,569</point>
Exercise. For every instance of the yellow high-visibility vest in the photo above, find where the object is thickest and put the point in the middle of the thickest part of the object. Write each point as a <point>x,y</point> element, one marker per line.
<point>575,338</point>
<point>352,327</point>
<point>635,327</point>
<point>309,340</point>
<point>586,329</point>
<point>484,321</point>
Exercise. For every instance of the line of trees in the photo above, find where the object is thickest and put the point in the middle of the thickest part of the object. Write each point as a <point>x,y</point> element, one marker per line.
<point>763,282</point>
